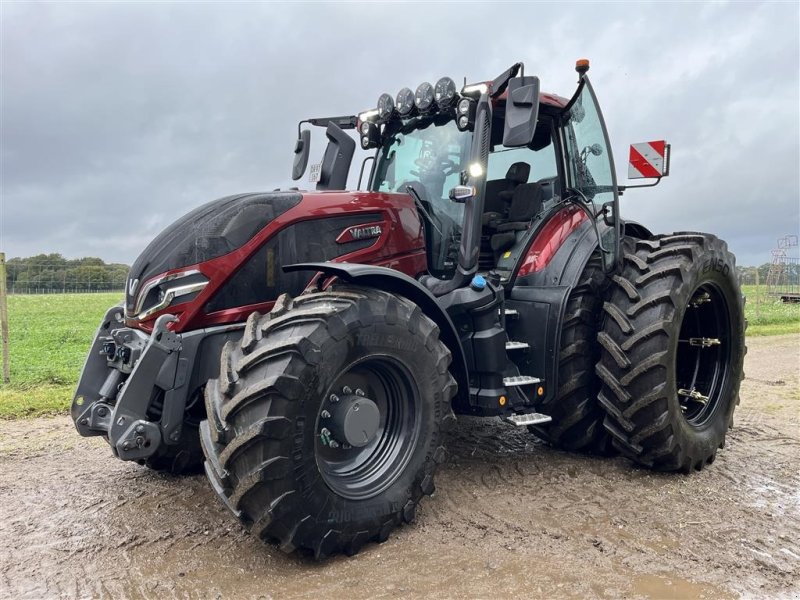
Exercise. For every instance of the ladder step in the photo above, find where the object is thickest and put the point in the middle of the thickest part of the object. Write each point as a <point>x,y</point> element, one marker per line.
<point>510,312</point>
<point>511,345</point>
<point>520,380</point>
<point>529,419</point>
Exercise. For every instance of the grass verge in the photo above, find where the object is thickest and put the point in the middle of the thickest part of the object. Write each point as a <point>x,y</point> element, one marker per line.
<point>50,335</point>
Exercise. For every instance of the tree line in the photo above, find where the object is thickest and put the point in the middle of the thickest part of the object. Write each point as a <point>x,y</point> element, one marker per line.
<point>46,273</point>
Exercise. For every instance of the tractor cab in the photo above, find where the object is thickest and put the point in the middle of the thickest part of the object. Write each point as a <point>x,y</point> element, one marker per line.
<point>526,154</point>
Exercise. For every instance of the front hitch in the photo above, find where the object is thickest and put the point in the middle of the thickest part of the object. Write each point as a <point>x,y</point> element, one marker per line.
<point>129,364</point>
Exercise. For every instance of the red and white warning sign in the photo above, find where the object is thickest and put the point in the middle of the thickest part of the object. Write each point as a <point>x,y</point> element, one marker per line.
<point>648,159</point>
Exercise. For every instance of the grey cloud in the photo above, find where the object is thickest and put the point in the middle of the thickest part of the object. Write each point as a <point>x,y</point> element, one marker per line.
<point>117,118</point>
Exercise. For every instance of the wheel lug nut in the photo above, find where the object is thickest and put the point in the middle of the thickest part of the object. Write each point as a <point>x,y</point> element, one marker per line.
<point>325,414</point>
<point>334,444</point>
<point>334,398</point>
<point>346,390</point>
<point>359,392</point>
<point>325,431</point>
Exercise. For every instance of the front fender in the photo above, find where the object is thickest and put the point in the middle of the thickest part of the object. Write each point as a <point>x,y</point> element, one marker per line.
<point>401,284</point>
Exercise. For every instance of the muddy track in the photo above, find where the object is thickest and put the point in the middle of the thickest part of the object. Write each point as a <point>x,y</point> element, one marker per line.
<point>511,517</point>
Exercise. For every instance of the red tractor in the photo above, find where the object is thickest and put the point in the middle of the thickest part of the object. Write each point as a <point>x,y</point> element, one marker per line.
<point>310,348</point>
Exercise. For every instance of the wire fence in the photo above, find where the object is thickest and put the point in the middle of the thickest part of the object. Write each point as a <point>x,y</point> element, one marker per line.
<point>60,278</point>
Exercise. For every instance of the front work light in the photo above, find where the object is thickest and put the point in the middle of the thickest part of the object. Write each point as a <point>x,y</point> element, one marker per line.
<point>385,107</point>
<point>405,101</point>
<point>475,170</point>
<point>423,97</point>
<point>370,135</point>
<point>445,92</point>
<point>466,114</point>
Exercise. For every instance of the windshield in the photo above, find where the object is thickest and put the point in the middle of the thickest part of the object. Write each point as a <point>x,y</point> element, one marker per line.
<point>428,155</point>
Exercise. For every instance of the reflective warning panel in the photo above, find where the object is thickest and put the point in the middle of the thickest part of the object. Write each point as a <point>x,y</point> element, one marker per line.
<point>648,159</point>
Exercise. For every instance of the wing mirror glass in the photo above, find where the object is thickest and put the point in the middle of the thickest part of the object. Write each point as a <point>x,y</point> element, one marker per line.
<point>302,148</point>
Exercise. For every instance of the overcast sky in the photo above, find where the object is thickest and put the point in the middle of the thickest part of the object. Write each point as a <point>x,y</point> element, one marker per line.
<point>118,118</point>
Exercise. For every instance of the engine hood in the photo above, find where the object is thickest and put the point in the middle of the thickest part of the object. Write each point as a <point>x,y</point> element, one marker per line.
<point>208,232</point>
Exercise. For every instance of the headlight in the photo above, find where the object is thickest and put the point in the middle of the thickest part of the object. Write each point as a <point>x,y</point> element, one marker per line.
<point>405,101</point>
<point>385,107</point>
<point>445,92</point>
<point>160,293</point>
<point>463,106</point>
<point>423,97</point>
<point>365,128</point>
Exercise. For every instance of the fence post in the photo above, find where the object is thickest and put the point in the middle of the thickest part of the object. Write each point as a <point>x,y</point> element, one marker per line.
<point>4,317</point>
<point>758,298</point>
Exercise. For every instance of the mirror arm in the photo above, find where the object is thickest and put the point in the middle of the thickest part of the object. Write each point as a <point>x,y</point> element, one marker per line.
<point>299,127</point>
<point>622,188</point>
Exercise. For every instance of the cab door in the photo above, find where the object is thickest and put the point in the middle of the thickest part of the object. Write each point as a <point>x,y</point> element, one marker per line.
<point>590,166</point>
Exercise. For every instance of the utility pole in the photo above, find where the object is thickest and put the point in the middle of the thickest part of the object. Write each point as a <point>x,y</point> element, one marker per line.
<point>4,317</point>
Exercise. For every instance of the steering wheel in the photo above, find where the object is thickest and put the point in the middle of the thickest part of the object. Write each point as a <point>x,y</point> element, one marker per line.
<point>447,166</point>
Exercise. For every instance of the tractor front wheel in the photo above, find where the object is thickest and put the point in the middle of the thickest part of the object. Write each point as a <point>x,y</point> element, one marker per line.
<point>325,426</point>
<point>672,350</point>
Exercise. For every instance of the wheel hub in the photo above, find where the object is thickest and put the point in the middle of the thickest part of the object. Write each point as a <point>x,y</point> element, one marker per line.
<point>351,420</point>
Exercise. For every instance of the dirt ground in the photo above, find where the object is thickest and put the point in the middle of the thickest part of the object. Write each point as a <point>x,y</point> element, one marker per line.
<point>510,518</point>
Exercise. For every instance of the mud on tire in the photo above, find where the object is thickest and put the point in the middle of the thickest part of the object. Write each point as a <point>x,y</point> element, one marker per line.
<point>577,416</point>
<point>672,350</point>
<point>267,455</point>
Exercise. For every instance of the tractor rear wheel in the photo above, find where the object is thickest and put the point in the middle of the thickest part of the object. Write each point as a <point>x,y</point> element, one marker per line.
<point>325,426</point>
<point>672,350</point>
<point>577,423</point>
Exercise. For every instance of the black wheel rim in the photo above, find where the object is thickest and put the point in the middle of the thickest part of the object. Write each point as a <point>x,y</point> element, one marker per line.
<point>362,472</point>
<point>702,360</point>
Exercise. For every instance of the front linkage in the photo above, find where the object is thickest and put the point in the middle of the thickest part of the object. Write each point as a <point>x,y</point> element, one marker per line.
<point>136,390</point>
<point>128,367</point>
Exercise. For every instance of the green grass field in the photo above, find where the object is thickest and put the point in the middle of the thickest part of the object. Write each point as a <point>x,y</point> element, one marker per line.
<point>766,315</point>
<point>50,335</point>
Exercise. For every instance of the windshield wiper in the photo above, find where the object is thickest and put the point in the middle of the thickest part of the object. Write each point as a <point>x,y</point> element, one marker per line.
<point>418,201</point>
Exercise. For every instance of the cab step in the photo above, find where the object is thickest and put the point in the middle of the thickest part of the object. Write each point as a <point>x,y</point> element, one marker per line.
<point>510,312</point>
<point>528,419</point>
<point>520,380</point>
<point>512,345</point>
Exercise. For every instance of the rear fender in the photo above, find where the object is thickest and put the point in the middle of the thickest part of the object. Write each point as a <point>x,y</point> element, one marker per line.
<point>541,297</point>
<point>389,280</point>
<point>636,230</point>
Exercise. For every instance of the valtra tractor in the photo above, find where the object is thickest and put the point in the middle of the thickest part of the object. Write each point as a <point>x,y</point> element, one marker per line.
<point>309,349</point>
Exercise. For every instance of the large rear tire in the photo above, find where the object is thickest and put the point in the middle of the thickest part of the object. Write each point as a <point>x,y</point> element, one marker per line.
<point>577,423</point>
<point>672,350</point>
<point>325,426</point>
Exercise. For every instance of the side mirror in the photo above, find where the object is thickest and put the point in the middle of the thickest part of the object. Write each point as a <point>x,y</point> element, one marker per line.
<point>336,160</point>
<point>301,151</point>
<point>522,111</point>
<point>649,159</point>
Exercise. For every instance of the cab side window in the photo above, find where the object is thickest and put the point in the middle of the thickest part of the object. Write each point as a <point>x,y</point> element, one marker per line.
<point>542,162</point>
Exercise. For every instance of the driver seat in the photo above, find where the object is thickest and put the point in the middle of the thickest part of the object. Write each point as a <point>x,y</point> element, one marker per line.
<point>516,175</point>
<point>526,203</point>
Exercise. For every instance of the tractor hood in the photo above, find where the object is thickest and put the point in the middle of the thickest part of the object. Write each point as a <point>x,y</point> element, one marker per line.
<point>208,232</point>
